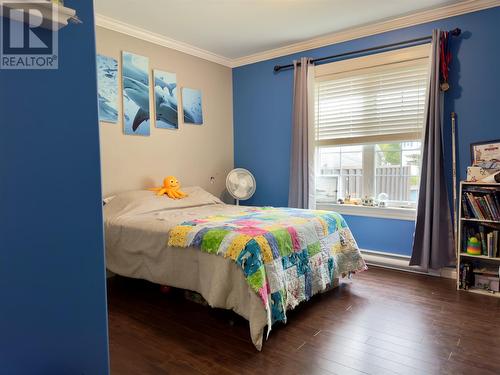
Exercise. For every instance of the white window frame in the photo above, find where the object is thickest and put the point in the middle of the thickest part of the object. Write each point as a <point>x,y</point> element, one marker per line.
<point>325,72</point>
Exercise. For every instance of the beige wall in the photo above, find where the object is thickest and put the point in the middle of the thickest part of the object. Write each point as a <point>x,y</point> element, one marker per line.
<point>192,153</point>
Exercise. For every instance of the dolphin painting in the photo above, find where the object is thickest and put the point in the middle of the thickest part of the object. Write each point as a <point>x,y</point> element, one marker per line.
<point>169,86</point>
<point>189,116</point>
<point>139,94</point>
<point>106,111</point>
<point>191,105</point>
<point>166,100</point>
<point>166,108</point>
<point>132,71</point>
<point>135,94</point>
<point>107,88</point>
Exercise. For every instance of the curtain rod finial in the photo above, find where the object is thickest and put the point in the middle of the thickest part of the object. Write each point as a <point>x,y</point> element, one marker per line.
<point>456,32</point>
<point>277,68</point>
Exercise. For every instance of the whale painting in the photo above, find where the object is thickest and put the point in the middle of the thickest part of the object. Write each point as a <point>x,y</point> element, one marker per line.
<point>107,85</point>
<point>135,76</point>
<point>165,100</point>
<point>191,106</point>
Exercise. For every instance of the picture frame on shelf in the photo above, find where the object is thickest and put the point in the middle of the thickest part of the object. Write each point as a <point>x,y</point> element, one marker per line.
<point>486,154</point>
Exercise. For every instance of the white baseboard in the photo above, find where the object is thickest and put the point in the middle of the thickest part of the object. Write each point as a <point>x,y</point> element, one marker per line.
<point>449,273</point>
<point>402,263</point>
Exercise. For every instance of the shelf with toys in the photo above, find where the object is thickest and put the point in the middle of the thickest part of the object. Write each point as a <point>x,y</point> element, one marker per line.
<point>478,245</point>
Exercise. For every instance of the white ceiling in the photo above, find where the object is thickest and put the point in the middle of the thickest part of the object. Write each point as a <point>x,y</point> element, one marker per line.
<point>237,28</point>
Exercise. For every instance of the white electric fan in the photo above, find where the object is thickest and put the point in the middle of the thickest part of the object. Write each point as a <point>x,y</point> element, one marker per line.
<point>240,183</point>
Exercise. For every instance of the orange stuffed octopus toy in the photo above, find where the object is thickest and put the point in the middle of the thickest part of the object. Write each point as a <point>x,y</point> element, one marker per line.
<point>171,187</point>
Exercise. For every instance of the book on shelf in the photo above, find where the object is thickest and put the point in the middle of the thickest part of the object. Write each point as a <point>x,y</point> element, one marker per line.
<point>492,244</point>
<point>481,203</point>
<point>465,207</point>
<point>483,238</point>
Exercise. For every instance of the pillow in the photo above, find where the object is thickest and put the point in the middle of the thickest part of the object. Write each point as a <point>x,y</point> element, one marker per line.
<point>142,201</point>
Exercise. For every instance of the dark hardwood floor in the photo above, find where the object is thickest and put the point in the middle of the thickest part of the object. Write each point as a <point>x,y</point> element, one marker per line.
<point>383,322</point>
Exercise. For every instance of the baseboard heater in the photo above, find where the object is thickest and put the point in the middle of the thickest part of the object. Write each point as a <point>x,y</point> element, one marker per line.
<point>401,263</point>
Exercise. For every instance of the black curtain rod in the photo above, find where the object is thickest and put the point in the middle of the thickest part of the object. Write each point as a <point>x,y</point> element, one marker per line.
<point>454,32</point>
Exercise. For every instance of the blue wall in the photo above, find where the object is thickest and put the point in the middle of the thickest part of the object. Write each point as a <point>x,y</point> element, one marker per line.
<point>385,235</point>
<point>53,317</point>
<point>263,107</point>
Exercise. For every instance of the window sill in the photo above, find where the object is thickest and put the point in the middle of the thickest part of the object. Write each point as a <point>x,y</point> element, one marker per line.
<point>379,212</point>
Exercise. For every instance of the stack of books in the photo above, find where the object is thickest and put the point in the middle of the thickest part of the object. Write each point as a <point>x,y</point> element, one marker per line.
<point>481,203</point>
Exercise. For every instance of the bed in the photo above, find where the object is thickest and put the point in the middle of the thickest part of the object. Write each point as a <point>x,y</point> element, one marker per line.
<point>258,262</point>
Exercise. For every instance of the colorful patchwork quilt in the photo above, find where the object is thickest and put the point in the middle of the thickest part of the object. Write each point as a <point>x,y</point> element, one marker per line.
<point>287,255</point>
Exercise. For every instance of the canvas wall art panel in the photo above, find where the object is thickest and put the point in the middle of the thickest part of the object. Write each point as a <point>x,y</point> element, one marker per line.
<point>135,75</point>
<point>191,106</point>
<point>107,87</point>
<point>165,100</point>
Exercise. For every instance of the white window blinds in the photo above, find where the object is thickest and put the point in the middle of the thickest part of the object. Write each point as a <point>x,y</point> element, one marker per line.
<point>382,103</point>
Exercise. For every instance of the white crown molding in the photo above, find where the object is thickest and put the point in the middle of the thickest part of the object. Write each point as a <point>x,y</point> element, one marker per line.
<point>447,11</point>
<point>462,7</point>
<point>149,36</point>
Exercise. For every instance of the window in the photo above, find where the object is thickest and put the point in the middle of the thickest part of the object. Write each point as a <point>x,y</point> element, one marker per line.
<point>340,173</point>
<point>369,114</point>
<point>397,171</point>
<point>394,167</point>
